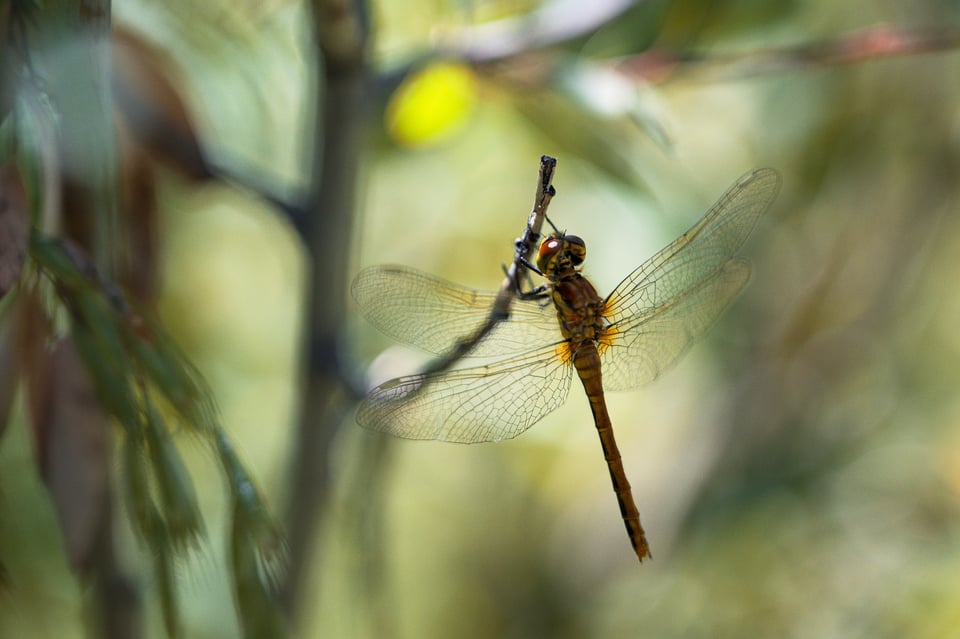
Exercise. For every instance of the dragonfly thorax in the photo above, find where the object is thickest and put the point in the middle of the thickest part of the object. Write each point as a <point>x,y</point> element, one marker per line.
<point>560,255</point>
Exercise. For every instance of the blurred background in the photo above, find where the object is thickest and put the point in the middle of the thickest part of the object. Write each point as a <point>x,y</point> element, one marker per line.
<point>797,473</point>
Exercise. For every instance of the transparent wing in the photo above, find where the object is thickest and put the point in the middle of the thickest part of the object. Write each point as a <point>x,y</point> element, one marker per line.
<point>433,314</point>
<point>641,347</point>
<point>480,404</point>
<point>674,296</point>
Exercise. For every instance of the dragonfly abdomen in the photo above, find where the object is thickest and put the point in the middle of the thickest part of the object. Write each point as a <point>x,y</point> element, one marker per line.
<point>586,360</point>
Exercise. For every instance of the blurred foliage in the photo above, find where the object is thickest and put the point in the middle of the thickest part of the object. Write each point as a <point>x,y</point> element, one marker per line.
<point>88,350</point>
<point>798,474</point>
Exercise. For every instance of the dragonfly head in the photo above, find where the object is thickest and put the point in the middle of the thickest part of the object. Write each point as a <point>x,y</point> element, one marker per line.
<point>559,252</point>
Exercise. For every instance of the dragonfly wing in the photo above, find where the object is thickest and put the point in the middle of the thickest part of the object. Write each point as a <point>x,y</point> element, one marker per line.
<point>470,405</point>
<point>699,252</point>
<point>674,296</point>
<point>638,349</point>
<point>433,314</point>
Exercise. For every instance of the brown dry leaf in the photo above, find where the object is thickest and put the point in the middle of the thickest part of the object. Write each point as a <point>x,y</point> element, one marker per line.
<point>138,206</point>
<point>8,372</point>
<point>14,226</point>
<point>73,445</point>
<point>31,337</point>
<point>14,238</point>
<point>154,126</point>
<point>152,108</point>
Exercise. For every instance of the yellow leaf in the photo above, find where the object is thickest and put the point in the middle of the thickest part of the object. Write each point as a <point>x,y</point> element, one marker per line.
<point>431,104</point>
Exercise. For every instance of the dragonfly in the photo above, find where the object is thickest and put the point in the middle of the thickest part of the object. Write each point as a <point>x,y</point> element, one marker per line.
<point>618,342</point>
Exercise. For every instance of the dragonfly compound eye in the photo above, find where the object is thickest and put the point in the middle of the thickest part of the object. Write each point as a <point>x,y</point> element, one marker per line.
<point>549,250</point>
<point>576,248</point>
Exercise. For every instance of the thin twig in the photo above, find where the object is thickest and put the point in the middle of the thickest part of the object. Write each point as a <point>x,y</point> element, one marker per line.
<point>870,43</point>
<point>510,287</point>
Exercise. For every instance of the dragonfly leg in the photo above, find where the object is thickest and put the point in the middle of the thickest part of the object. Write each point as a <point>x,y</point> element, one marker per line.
<point>530,265</point>
<point>537,293</point>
